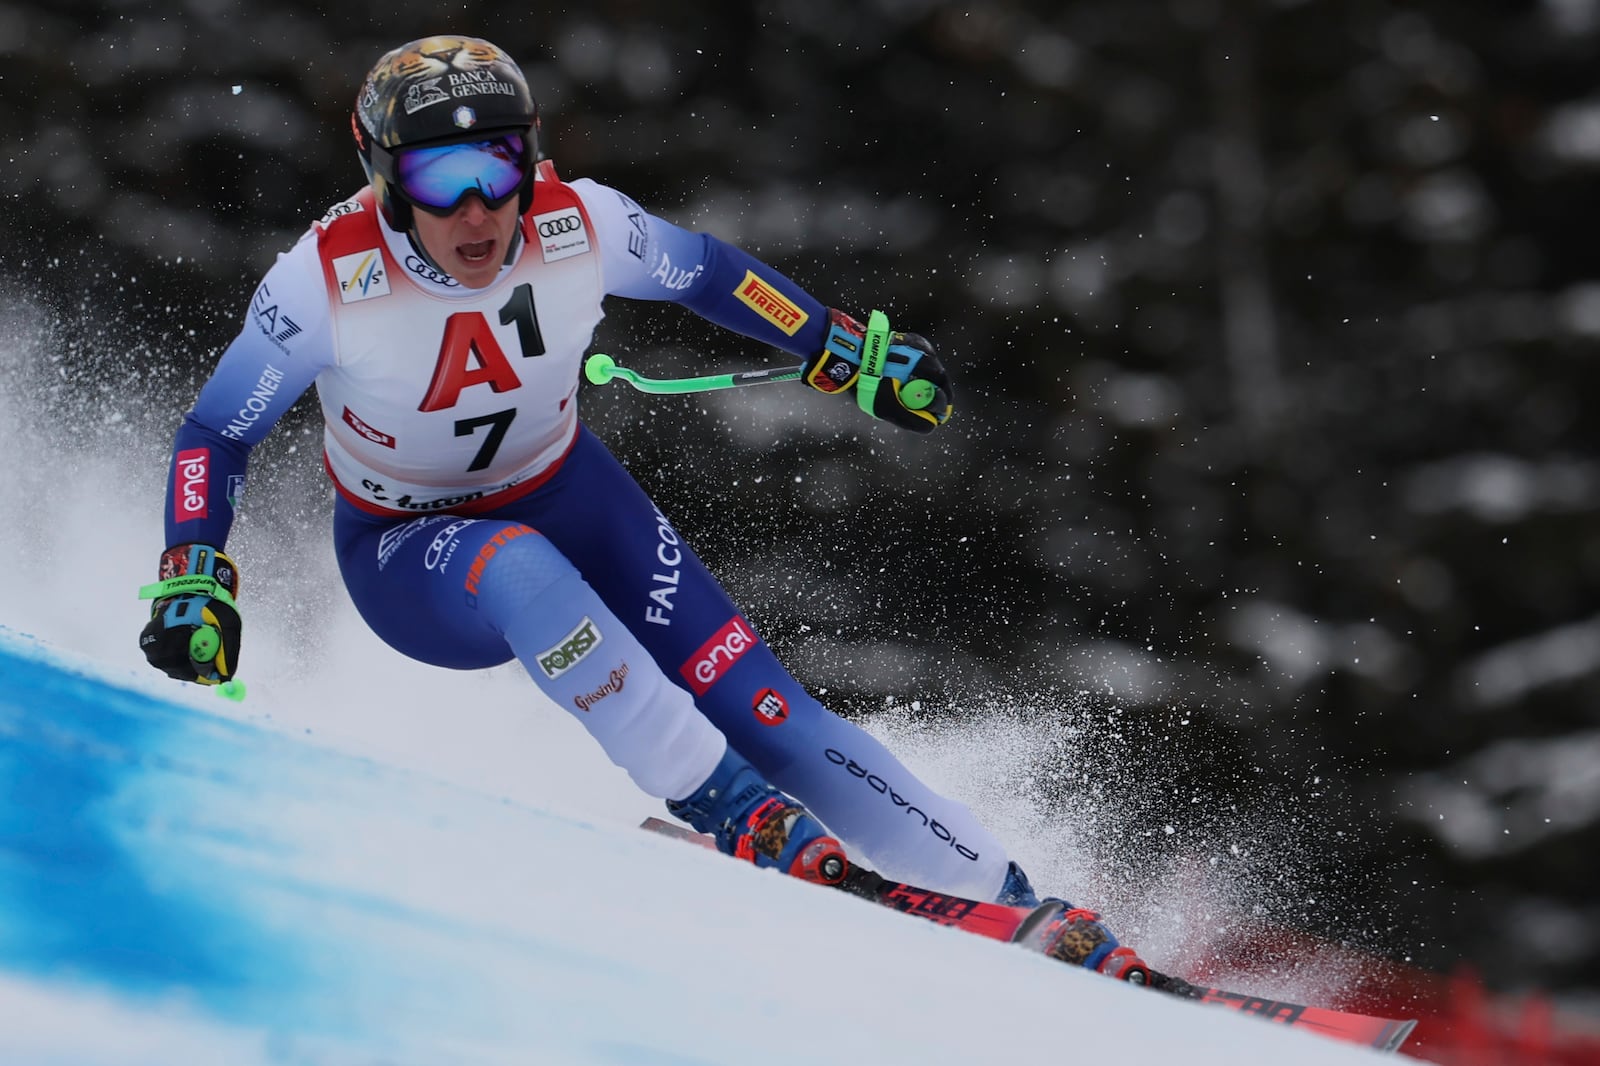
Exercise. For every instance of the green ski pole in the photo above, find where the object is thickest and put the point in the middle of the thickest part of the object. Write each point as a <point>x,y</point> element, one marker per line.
<point>601,369</point>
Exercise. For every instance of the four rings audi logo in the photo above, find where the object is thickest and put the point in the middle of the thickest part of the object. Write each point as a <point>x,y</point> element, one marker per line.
<point>556,226</point>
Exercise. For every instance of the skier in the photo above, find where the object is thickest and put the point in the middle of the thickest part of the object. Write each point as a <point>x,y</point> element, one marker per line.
<point>442,313</point>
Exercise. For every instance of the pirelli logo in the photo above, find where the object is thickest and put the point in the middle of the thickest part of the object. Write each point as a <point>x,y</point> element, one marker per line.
<point>770,304</point>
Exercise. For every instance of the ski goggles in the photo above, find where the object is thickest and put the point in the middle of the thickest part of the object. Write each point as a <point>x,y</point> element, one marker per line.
<point>438,179</point>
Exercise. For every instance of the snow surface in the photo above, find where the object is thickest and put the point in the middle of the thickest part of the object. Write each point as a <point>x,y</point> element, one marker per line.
<point>183,887</point>
<point>372,861</point>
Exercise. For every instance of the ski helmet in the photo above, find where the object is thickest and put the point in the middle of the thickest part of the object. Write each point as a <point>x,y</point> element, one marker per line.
<point>437,91</point>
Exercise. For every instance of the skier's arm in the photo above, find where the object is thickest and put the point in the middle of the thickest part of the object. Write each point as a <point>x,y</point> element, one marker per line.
<point>648,258</point>
<point>282,345</point>
<point>194,630</point>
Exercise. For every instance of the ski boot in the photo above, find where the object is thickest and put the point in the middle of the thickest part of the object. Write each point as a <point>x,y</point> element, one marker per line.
<point>1070,934</point>
<point>751,820</point>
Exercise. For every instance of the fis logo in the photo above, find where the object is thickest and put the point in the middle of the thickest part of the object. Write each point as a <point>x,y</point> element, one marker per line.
<point>572,649</point>
<point>361,276</point>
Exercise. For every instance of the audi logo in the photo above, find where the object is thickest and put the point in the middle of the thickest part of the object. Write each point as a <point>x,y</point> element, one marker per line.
<point>423,270</point>
<point>557,226</point>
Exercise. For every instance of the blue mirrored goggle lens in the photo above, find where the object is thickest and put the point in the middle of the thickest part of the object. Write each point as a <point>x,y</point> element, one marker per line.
<point>440,177</point>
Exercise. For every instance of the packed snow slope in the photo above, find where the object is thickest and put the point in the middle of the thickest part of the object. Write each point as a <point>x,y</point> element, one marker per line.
<point>179,884</point>
<point>373,861</point>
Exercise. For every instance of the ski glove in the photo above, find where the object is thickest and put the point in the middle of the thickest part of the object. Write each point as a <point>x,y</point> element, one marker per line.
<point>193,632</point>
<point>897,376</point>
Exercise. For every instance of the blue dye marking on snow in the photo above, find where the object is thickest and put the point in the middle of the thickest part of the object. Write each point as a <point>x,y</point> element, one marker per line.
<point>83,892</point>
<point>168,858</point>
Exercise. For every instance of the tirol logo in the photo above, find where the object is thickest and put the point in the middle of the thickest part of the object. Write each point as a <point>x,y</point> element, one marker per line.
<point>770,707</point>
<point>717,655</point>
<point>376,436</point>
<point>361,276</point>
<point>572,649</point>
<point>190,484</point>
<point>561,234</point>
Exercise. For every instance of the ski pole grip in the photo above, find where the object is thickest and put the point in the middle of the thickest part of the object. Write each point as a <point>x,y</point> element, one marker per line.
<point>600,368</point>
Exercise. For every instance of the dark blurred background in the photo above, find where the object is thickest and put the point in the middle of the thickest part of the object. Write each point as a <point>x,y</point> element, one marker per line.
<point>1273,324</point>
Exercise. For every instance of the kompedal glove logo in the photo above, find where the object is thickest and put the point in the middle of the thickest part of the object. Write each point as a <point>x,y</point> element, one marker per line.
<point>572,649</point>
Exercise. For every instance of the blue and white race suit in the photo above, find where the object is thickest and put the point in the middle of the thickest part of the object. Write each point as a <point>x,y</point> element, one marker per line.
<point>477,519</point>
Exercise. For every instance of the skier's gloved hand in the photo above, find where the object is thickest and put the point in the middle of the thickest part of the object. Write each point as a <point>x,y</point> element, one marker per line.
<point>193,632</point>
<point>897,376</point>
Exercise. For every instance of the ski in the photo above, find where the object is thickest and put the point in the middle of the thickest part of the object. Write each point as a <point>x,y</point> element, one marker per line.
<point>1018,924</point>
<point>993,920</point>
<point>1385,1034</point>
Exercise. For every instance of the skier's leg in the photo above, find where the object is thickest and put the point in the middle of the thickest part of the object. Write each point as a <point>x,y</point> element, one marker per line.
<point>652,580</point>
<point>471,593</point>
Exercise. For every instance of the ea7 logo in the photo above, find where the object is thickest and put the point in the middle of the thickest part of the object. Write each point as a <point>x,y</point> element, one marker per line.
<point>572,649</point>
<point>716,656</point>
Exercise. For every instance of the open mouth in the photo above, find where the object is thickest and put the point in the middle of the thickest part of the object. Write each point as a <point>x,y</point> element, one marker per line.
<point>475,251</point>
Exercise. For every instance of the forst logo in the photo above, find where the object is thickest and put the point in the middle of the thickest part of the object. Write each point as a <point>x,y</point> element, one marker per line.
<point>716,656</point>
<point>192,471</point>
<point>572,649</point>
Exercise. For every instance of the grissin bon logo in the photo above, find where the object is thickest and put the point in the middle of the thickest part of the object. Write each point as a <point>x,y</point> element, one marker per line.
<point>717,655</point>
<point>612,685</point>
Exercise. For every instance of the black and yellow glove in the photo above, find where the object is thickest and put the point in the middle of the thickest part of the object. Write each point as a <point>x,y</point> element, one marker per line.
<point>193,632</point>
<point>896,376</point>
